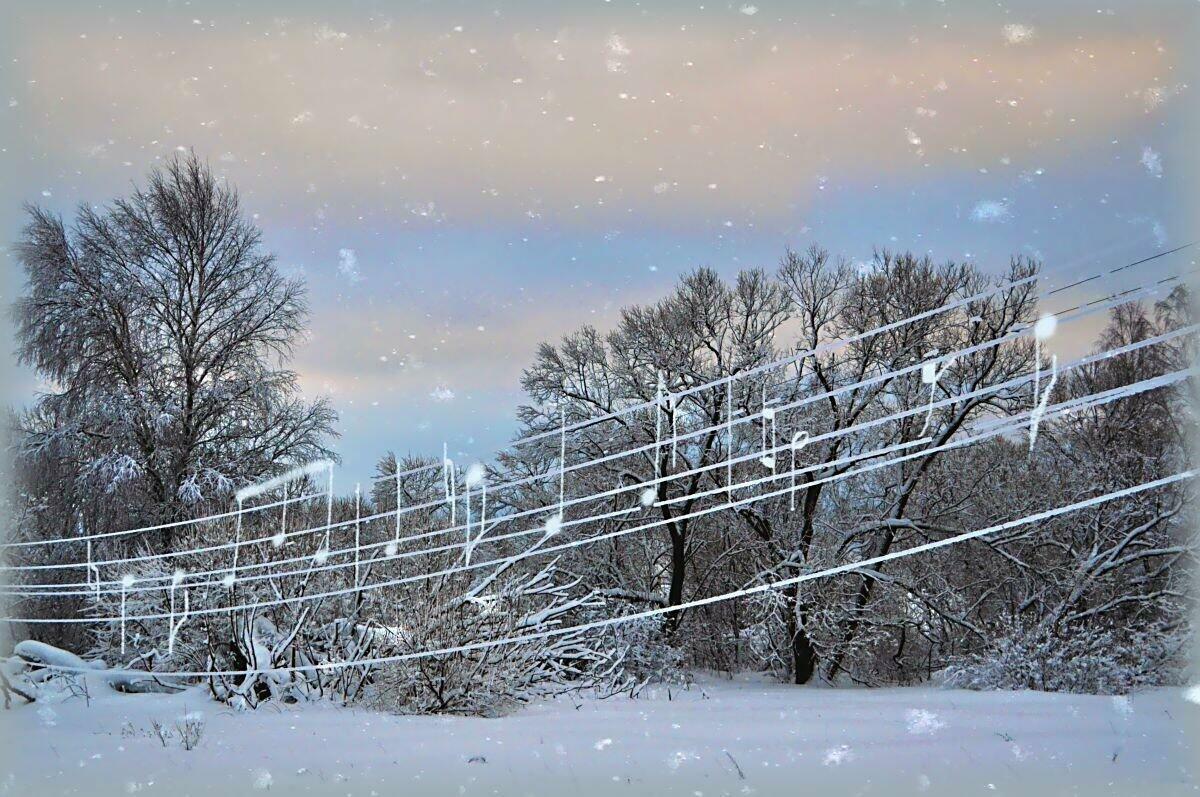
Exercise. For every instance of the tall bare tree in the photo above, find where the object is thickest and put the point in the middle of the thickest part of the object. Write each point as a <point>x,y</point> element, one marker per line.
<point>163,328</point>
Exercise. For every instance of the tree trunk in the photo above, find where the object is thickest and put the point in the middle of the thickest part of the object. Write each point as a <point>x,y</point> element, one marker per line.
<point>804,655</point>
<point>678,571</point>
<point>860,604</point>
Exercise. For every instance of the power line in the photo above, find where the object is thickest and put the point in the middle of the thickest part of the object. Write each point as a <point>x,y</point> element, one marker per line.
<point>1080,311</point>
<point>611,621</point>
<point>819,349</point>
<point>1002,426</point>
<point>949,401</point>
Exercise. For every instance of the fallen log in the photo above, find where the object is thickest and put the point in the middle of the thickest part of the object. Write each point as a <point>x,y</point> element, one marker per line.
<point>47,660</point>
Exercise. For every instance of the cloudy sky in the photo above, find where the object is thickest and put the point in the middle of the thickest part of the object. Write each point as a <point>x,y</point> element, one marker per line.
<point>459,181</point>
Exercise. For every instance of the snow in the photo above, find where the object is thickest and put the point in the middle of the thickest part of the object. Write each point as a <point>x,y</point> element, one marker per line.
<point>475,474</point>
<point>1045,327</point>
<point>1152,161</point>
<point>991,210</point>
<point>749,735</point>
<point>348,262</point>
<point>41,653</point>
<point>1015,33</point>
<point>261,488</point>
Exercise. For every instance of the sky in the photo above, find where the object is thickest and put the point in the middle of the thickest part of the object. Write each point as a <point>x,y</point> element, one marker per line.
<point>458,182</point>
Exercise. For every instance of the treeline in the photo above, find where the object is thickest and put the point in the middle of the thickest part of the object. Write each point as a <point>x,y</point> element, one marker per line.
<point>696,466</point>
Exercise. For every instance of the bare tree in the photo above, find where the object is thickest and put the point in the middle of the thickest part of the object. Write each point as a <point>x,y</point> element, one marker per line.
<point>663,354</point>
<point>162,326</point>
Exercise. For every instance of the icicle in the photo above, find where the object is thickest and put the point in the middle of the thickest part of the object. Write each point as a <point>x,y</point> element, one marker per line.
<point>357,544</point>
<point>262,488</point>
<point>175,627</point>
<point>799,441</point>
<point>474,476</point>
<point>176,579</point>
<point>126,583</point>
<point>92,574</point>
<point>449,483</point>
<point>562,459</point>
<point>674,430</point>
<point>281,537</point>
<point>768,414</point>
<point>95,571</point>
<point>231,576</point>
<point>1035,417</point>
<point>392,547</point>
<point>328,517</point>
<point>1043,330</point>
<point>658,396</point>
<point>729,436</point>
<point>930,374</point>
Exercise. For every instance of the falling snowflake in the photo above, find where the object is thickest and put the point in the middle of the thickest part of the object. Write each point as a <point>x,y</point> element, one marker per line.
<point>1152,161</point>
<point>1154,96</point>
<point>1017,34</point>
<point>990,210</point>
<point>348,265</point>
<point>617,50</point>
<point>837,755</point>
<point>680,756</point>
<point>327,34</point>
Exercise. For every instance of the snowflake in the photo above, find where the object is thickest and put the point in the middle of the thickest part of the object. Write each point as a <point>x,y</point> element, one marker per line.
<point>262,779</point>
<point>921,721</point>
<point>837,755</point>
<point>1017,34</point>
<point>991,210</point>
<point>1152,161</point>
<point>348,265</point>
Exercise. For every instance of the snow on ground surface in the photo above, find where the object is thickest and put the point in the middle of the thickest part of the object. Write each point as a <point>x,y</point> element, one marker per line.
<point>747,736</point>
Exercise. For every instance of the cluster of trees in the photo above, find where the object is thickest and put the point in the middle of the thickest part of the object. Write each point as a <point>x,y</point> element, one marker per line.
<point>693,467</point>
<point>875,472</point>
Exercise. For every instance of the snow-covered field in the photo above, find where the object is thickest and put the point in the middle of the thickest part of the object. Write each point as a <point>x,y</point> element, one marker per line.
<point>747,736</point>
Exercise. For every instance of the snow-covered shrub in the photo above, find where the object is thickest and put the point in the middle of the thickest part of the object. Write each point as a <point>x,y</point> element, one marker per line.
<point>173,642</point>
<point>764,639</point>
<point>460,612</point>
<point>1090,660</point>
<point>647,655</point>
<point>190,728</point>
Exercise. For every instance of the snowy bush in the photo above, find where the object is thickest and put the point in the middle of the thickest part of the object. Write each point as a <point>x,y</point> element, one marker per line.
<point>648,655</point>
<point>190,728</point>
<point>174,642</point>
<point>1094,661</point>
<point>460,611</point>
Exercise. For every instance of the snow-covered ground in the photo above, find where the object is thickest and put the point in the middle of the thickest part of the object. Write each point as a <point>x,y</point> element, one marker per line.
<point>747,736</point>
